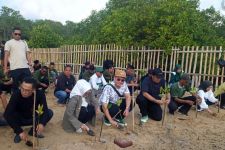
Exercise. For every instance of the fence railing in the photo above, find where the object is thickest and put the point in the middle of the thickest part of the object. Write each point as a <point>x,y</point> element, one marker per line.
<point>199,62</point>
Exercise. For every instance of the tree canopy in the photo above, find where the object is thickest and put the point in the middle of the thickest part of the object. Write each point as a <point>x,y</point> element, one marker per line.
<point>153,23</point>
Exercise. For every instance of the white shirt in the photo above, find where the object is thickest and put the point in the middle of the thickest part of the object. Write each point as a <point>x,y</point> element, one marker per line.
<point>109,94</point>
<point>97,82</point>
<point>17,53</point>
<point>206,96</point>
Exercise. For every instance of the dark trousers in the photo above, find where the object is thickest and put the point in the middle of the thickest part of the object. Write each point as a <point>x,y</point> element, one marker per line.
<point>114,109</point>
<point>86,113</point>
<point>18,75</point>
<point>173,105</point>
<point>45,81</point>
<point>221,99</point>
<point>6,88</point>
<point>153,110</point>
<point>27,122</point>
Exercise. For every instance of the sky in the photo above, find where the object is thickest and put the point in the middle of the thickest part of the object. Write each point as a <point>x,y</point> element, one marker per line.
<point>73,10</point>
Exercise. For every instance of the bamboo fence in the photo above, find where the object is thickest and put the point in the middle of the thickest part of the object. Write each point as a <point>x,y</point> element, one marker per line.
<point>196,61</point>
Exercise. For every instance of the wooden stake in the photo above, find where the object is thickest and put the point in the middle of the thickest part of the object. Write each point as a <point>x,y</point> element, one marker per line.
<point>133,102</point>
<point>219,102</point>
<point>34,119</point>
<point>164,113</point>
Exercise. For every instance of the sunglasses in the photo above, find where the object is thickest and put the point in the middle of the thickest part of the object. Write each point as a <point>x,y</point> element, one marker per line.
<point>19,34</point>
<point>122,80</point>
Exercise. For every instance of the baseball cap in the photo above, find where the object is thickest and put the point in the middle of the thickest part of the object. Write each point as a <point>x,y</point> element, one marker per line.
<point>158,72</point>
<point>99,69</point>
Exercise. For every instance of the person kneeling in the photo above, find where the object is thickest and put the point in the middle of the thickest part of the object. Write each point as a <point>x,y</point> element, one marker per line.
<point>81,108</point>
<point>149,100</point>
<point>113,106</point>
<point>19,111</point>
<point>207,96</point>
<point>178,98</point>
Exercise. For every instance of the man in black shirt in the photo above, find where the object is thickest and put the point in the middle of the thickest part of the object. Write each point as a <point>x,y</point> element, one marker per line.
<point>64,85</point>
<point>19,111</point>
<point>149,99</point>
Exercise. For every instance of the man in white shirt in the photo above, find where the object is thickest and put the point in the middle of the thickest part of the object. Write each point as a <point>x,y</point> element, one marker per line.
<point>97,81</point>
<point>113,104</point>
<point>18,55</point>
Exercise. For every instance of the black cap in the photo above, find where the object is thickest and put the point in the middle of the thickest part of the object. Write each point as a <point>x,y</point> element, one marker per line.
<point>157,72</point>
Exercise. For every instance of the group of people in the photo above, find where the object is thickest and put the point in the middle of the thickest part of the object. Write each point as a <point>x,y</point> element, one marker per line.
<point>98,89</point>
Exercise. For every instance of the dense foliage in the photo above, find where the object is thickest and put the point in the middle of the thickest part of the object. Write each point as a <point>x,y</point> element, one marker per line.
<point>153,23</point>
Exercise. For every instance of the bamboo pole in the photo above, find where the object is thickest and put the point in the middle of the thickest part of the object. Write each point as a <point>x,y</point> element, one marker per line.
<point>210,64</point>
<point>218,71</point>
<point>187,60</point>
<point>158,59</point>
<point>205,65</point>
<point>191,58</point>
<point>148,59</point>
<point>151,66</point>
<point>174,57</point>
<point>154,60</point>
<point>182,60</point>
<point>166,65</point>
<point>222,72</point>
<point>171,65</point>
<point>214,60</point>
<point>200,66</point>
<point>194,68</point>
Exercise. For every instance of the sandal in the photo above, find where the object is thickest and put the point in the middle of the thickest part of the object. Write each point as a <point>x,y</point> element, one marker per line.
<point>90,132</point>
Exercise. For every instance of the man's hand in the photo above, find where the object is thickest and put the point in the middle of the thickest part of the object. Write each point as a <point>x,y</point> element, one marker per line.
<point>160,102</point>
<point>84,127</point>
<point>114,123</point>
<point>189,102</point>
<point>23,136</point>
<point>126,112</point>
<point>40,128</point>
<point>67,91</point>
<point>167,101</point>
<point>44,85</point>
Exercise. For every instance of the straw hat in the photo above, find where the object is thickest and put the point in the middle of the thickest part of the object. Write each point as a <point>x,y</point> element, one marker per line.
<point>120,73</point>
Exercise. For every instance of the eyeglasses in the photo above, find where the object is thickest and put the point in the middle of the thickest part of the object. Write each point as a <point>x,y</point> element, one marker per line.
<point>119,79</point>
<point>19,34</point>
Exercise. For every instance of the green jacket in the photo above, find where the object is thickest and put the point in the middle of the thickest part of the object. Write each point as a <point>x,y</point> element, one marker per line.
<point>220,90</point>
<point>87,75</point>
<point>108,76</point>
<point>39,77</point>
<point>177,91</point>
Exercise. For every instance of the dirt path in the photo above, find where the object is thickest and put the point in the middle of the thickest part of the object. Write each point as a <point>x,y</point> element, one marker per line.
<point>205,132</point>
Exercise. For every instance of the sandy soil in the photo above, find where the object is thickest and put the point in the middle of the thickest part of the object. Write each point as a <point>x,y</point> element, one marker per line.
<point>205,132</point>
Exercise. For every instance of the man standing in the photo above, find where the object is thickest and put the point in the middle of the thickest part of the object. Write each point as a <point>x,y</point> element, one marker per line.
<point>18,55</point>
<point>19,111</point>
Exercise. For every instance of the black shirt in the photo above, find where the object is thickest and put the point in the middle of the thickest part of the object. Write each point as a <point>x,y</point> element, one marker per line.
<point>151,87</point>
<point>63,83</point>
<point>20,107</point>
